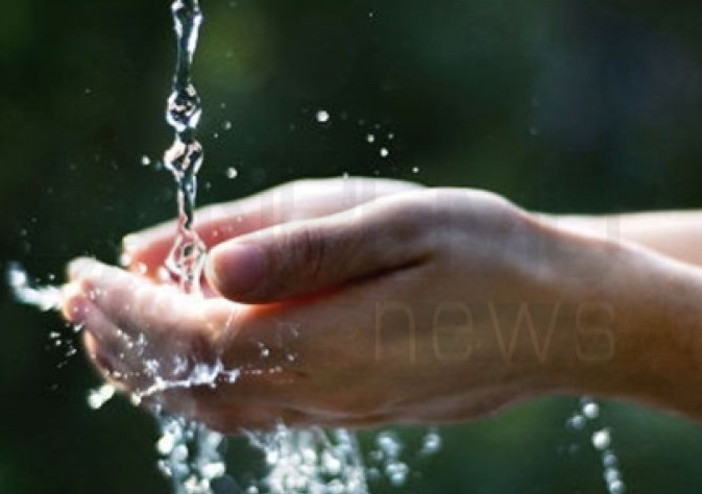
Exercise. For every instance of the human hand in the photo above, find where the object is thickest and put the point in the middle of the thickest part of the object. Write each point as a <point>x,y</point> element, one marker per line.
<point>327,311</point>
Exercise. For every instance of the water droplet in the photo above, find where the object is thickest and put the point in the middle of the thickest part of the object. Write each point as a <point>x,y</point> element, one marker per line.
<point>431,443</point>
<point>322,116</point>
<point>227,125</point>
<point>213,470</point>
<point>389,444</point>
<point>145,160</point>
<point>370,138</point>
<point>165,444</point>
<point>577,422</point>
<point>180,452</point>
<point>611,475</point>
<point>601,439</point>
<point>397,473</point>
<point>384,152</point>
<point>415,169</point>
<point>98,397</point>
<point>609,459</point>
<point>232,172</point>
<point>391,136</point>
<point>616,487</point>
<point>591,410</point>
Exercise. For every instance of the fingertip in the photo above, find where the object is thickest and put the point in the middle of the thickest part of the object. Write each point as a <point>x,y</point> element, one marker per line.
<point>82,267</point>
<point>131,243</point>
<point>76,304</point>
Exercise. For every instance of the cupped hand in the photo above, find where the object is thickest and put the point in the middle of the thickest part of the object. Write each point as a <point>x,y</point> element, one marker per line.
<point>332,307</point>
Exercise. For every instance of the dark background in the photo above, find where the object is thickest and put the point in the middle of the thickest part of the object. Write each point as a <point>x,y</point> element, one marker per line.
<point>563,106</point>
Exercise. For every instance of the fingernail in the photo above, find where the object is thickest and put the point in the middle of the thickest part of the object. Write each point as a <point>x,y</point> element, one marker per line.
<point>235,268</point>
<point>75,305</point>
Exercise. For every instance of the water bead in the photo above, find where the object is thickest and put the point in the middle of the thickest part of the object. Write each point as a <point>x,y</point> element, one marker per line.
<point>591,410</point>
<point>601,439</point>
<point>214,470</point>
<point>611,475</point>
<point>577,422</point>
<point>616,487</point>
<point>322,116</point>
<point>165,444</point>
<point>609,459</point>
<point>431,443</point>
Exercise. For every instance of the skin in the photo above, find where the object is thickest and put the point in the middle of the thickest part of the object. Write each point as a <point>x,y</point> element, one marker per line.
<point>361,302</point>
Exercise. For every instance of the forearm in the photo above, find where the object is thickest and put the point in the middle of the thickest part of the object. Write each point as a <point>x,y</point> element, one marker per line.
<point>677,234</point>
<point>655,305</point>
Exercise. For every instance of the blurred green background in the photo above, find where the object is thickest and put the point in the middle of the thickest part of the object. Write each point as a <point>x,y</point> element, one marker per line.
<point>563,106</point>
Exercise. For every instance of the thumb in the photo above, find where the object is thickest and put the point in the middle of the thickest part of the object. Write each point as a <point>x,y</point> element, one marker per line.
<point>305,257</point>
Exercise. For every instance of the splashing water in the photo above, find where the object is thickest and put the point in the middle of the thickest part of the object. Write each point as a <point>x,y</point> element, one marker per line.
<point>45,298</point>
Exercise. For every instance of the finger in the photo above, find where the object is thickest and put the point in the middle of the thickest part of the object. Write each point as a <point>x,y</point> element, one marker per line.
<point>146,251</point>
<point>106,344</point>
<point>136,305</point>
<point>305,257</point>
<point>110,370</point>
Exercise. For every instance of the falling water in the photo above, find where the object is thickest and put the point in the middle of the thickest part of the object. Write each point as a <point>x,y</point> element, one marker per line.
<point>184,157</point>
<point>588,418</point>
<point>190,452</point>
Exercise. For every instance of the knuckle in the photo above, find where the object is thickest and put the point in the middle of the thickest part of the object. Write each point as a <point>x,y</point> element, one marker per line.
<point>307,253</point>
<point>412,221</point>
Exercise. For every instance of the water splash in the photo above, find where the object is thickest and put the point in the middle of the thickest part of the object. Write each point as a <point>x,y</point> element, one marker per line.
<point>191,455</point>
<point>322,116</point>
<point>43,297</point>
<point>311,461</point>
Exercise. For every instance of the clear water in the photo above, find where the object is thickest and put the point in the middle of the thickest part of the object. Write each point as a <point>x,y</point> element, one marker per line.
<point>190,454</point>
